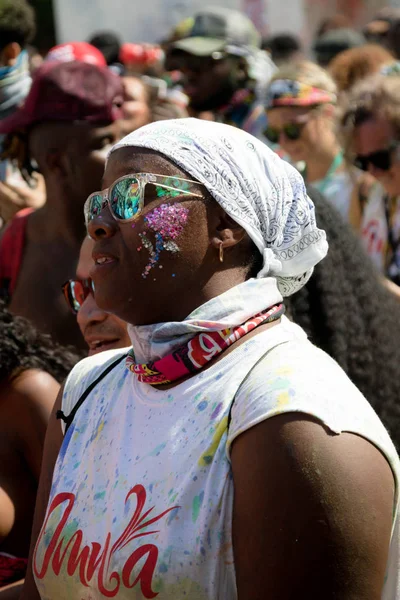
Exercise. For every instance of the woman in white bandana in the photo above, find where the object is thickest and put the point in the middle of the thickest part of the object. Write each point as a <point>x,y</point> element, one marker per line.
<point>223,456</point>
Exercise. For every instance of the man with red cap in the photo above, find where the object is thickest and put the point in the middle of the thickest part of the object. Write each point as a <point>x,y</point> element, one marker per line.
<point>64,130</point>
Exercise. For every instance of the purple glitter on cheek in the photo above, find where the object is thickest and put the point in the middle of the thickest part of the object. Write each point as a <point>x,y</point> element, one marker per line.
<point>167,221</point>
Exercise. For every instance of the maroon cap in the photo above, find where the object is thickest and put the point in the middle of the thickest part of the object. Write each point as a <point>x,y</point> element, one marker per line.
<point>68,91</point>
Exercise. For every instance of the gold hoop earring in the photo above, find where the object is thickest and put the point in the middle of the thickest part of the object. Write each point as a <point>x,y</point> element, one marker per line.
<point>221,253</point>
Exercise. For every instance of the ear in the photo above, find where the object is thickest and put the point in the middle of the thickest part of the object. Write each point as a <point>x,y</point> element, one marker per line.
<point>242,69</point>
<point>57,162</point>
<point>226,232</point>
<point>10,53</point>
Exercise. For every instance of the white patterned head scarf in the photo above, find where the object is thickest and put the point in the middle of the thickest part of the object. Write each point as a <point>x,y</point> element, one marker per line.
<point>260,191</point>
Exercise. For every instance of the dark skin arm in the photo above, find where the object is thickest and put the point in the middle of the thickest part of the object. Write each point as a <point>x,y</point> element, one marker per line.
<point>52,445</point>
<point>312,513</point>
<point>38,391</point>
<point>29,400</point>
<point>12,591</point>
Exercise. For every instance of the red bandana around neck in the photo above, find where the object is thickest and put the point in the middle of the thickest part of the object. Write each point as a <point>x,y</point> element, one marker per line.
<point>198,352</point>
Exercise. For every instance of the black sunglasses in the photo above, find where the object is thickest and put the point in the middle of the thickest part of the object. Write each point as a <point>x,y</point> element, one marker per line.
<point>291,130</point>
<point>76,291</point>
<point>198,64</point>
<point>382,159</point>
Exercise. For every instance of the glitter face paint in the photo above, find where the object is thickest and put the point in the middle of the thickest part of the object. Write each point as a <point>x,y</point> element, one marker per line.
<point>167,221</point>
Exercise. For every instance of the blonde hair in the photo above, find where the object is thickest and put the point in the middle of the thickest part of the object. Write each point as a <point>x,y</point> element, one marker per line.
<point>375,96</point>
<point>308,73</point>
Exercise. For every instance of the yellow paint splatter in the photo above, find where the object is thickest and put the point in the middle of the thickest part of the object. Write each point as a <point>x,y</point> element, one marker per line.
<point>283,371</point>
<point>98,431</point>
<point>207,456</point>
<point>283,400</point>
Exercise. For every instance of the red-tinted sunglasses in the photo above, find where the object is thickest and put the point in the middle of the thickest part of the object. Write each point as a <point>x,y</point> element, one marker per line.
<point>76,291</point>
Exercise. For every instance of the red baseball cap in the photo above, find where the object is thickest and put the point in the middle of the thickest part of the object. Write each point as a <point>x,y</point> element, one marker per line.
<point>140,54</point>
<point>81,51</point>
<point>68,91</point>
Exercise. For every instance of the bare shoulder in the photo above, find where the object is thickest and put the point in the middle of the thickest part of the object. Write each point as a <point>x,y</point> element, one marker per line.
<point>26,405</point>
<point>34,379</point>
<point>325,506</point>
<point>33,390</point>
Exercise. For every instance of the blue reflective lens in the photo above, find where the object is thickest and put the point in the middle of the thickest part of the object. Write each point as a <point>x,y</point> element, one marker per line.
<point>125,198</point>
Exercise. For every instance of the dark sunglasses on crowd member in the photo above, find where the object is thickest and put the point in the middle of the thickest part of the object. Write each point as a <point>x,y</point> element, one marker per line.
<point>382,159</point>
<point>291,130</point>
<point>196,64</point>
<point>76,291</point>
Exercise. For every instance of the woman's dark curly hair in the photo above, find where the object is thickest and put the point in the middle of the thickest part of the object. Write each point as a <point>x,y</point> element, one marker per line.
<point>22,348</point>
<point>346,311</point>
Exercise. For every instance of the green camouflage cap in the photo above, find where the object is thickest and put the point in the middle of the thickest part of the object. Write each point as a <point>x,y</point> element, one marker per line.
<point>215,28</point>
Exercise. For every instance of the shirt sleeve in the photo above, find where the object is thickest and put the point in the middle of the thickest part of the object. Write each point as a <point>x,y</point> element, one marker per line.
<point>298,377</point>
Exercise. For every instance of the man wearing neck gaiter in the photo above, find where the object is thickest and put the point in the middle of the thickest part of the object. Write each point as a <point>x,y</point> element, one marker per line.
<point>17,29</point>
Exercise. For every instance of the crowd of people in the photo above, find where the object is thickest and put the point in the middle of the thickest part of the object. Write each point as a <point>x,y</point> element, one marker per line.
<point>227,164</point>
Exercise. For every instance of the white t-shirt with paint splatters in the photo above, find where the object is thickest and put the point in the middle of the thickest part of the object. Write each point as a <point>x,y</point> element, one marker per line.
<point>141,501</point>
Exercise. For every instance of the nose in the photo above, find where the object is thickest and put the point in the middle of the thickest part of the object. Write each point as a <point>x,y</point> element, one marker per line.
<point>374,171</point>
<point>189,71</point>
<point>283,139</point>
<point>89,313</point>
<point>102,225</point>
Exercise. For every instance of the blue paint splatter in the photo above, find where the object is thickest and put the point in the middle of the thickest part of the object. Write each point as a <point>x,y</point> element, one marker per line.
<point>158,449</point>
<point>172,515</point>
<point>66,441</point>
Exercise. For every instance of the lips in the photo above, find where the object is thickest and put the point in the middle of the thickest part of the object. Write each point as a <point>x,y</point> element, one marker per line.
<point>102,262</point>
<point>100,344</point>
<point>103,259</point>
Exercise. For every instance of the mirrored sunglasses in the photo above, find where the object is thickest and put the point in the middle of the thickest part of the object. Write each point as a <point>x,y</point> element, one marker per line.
<point>76,291</point>
<point>125,197</point>
<point>382,159</point>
